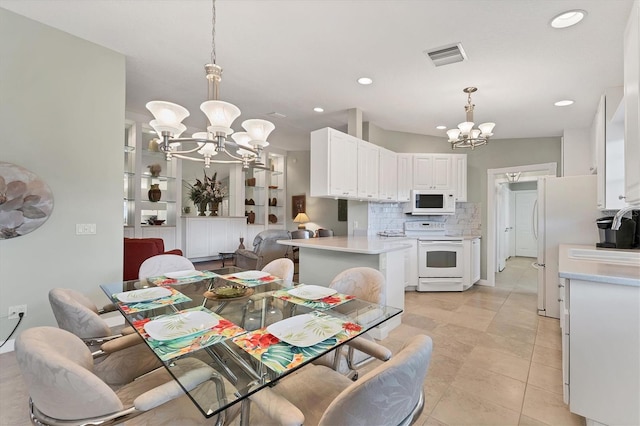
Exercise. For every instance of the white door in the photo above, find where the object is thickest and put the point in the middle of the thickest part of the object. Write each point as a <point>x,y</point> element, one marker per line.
<point>503,226</point>
<point>512,222</point>
<point>526,243</point>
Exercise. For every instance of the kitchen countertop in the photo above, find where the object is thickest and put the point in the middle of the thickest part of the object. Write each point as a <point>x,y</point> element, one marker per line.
<point>591,270</point>
<point>362,245</point>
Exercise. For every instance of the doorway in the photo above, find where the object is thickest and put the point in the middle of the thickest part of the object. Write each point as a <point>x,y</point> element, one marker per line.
<point>497,217</point>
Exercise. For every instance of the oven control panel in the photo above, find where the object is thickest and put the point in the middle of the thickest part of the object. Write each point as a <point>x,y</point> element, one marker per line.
<point>424,227</point>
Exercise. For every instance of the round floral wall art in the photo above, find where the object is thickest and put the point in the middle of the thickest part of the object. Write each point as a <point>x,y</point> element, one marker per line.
<point>26,202</point>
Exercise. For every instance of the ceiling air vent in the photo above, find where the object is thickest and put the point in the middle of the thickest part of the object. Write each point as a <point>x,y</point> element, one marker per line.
<point>447,54</point>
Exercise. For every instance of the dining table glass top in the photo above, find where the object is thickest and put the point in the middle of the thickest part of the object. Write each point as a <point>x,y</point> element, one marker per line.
<point>249,327</point>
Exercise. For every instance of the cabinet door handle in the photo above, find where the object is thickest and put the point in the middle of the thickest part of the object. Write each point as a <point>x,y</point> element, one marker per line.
<point>621,197</point>
<point>559,300</point>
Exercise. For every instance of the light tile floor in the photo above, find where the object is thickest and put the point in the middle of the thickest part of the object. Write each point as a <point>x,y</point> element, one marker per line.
<point>495,361</point>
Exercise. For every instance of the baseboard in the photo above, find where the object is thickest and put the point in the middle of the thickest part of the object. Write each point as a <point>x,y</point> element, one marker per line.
<point>8,347</point>
<point>485,283</point>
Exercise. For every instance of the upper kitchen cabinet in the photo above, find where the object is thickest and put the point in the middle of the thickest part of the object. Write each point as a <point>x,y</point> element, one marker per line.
<point>632,106</point>
<point>433,171</point>
<point>608,131</point>
<point>388,177</point>
<point>368,164</point>
<point>405,177</point>
<point>460,176</point>
<point>334,159</point>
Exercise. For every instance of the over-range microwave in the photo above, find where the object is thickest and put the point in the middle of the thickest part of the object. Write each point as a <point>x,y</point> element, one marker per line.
<point>431,202</point>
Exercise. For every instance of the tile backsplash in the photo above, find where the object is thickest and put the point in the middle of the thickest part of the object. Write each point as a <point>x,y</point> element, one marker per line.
<point>466,220</point>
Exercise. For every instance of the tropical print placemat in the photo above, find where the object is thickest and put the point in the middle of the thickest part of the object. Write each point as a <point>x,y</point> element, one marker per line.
<point>250,283</point>
<point>176,297</point>
<point>281,356</point>
<point>318,304</point>
<point>169,349</point>
<point>162,280</point>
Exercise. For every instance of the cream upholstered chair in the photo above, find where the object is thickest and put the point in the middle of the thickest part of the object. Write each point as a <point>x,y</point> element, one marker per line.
<point>76,314</point>
<point>265,249</point>
<point>281,268</point>
<point>58,371</point>
<point>163,263</point>
<point>391,394</point>
<point>366,284</point>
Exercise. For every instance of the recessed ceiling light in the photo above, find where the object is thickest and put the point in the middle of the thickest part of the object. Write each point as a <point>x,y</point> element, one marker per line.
<point>318,109</point>
<point>365,81</point>
<point>441,127</point>
<point>568,18</point>
<point>565,102</point>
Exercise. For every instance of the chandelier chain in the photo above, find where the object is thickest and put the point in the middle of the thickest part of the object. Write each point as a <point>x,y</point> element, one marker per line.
<point>213,31</point>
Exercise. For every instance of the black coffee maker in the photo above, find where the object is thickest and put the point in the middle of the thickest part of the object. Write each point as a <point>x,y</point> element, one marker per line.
<point>626,237</point>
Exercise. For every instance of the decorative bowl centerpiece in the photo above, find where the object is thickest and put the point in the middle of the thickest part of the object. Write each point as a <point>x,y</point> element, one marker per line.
<point>227,291</point>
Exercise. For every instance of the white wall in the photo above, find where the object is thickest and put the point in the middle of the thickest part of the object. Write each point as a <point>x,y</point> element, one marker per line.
<point>62,117</point>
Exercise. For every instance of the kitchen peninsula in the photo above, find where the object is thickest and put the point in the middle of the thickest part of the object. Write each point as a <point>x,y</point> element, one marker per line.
<point>321,259</point>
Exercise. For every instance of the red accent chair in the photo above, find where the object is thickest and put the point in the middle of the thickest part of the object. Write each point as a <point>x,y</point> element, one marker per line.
<point>137,250</point>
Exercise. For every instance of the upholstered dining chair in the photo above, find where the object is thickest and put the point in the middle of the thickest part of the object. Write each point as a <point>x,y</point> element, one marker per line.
<point>75,313</point>
<point>391,394</point>
<point>281,268</point>
<point>163,263</point>
<point>325,232</point>
<point>364,283</point>
<point>301,234</point>
<point>59,373</point>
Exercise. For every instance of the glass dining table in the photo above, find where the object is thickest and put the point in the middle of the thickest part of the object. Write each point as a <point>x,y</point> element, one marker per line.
<point>250,328</point>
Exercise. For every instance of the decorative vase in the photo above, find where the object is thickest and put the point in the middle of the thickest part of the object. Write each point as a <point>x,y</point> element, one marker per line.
<point>154,192</point>
<point>155,169</point>
<point>241,246</point>
<point>252,217</point>
<point>213,208</point>
<point>202,207</point>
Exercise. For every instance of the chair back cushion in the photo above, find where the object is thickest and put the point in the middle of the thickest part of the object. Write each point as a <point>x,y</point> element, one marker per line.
<point>301,233</point>
<point>56,367</point>
<point>281,268</point>
<point>162,263</point>
<point>266,247</point>
<point>325,232</point>
<point>362,282</point>
<point>386,395</point>
<point>75,313</point>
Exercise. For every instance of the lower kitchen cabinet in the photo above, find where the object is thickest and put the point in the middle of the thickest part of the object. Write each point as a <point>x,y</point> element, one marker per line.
<point>601,350</point>
<point>206,237</point>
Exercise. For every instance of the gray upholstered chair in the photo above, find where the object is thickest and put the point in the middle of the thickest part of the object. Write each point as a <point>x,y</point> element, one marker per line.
<point>301,234</point>
<point>391,394</point>
<point>366,284</point>
<point>325,232</point>
<point>58,370</point>
<point>76,314</point>
<point>163,263</point>
<point>265,249</point>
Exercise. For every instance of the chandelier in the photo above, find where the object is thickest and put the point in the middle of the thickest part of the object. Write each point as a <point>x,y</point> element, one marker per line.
<point>465,136</point>
<point>210,146</point>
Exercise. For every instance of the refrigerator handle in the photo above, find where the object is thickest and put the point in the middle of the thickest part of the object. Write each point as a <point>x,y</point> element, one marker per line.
<point>534,219</point>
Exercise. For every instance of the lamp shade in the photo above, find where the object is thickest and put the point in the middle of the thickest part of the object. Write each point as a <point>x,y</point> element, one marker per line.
<point>453,134</point>
<point>175,129</point>
<point>220,115</point>
<point>259,131</point>
<point>241,138</point>
<point>301,218</point>
<point>486,128</point>
<point>167,113</point>
<point>465,127</point>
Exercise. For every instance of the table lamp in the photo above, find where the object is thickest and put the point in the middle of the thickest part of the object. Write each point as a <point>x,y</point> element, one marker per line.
<point>301,219</point>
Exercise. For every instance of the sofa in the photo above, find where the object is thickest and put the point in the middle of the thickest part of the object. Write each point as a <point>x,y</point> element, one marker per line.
<point>137,250</point>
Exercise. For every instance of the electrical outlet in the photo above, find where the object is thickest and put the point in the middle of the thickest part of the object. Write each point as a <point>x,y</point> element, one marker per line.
<point>15,310</point>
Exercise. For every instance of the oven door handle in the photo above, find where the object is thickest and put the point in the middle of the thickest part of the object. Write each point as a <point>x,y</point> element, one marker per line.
<point>440,243</point>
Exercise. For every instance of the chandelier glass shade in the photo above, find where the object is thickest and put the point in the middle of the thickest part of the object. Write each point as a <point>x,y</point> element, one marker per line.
<point>513,177</point>
<point>212,146</point>
<point>465,136</point>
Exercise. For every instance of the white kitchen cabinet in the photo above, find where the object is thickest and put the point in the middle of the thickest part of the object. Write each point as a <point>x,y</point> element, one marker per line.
<point>602,365</point>
<point>632,106</point>
<point>368,171</point>
<point>388,177</point>
<point>475,260</point>
<point>608,129</point>
<point>334,159</point>
<point>405,177</point>
<point>460,176</point>
<point>207,237</point>
<point>433,171</point>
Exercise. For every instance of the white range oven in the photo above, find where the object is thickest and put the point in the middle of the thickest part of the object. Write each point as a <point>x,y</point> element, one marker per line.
<point>440,258</point>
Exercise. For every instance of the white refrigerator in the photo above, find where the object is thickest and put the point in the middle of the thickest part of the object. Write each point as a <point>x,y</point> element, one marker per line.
<point>566,214</point>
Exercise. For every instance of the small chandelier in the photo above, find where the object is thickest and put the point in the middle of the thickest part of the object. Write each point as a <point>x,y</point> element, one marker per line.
<point>513,177</point>
<point>245,148</point>
<point>465,136</point>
